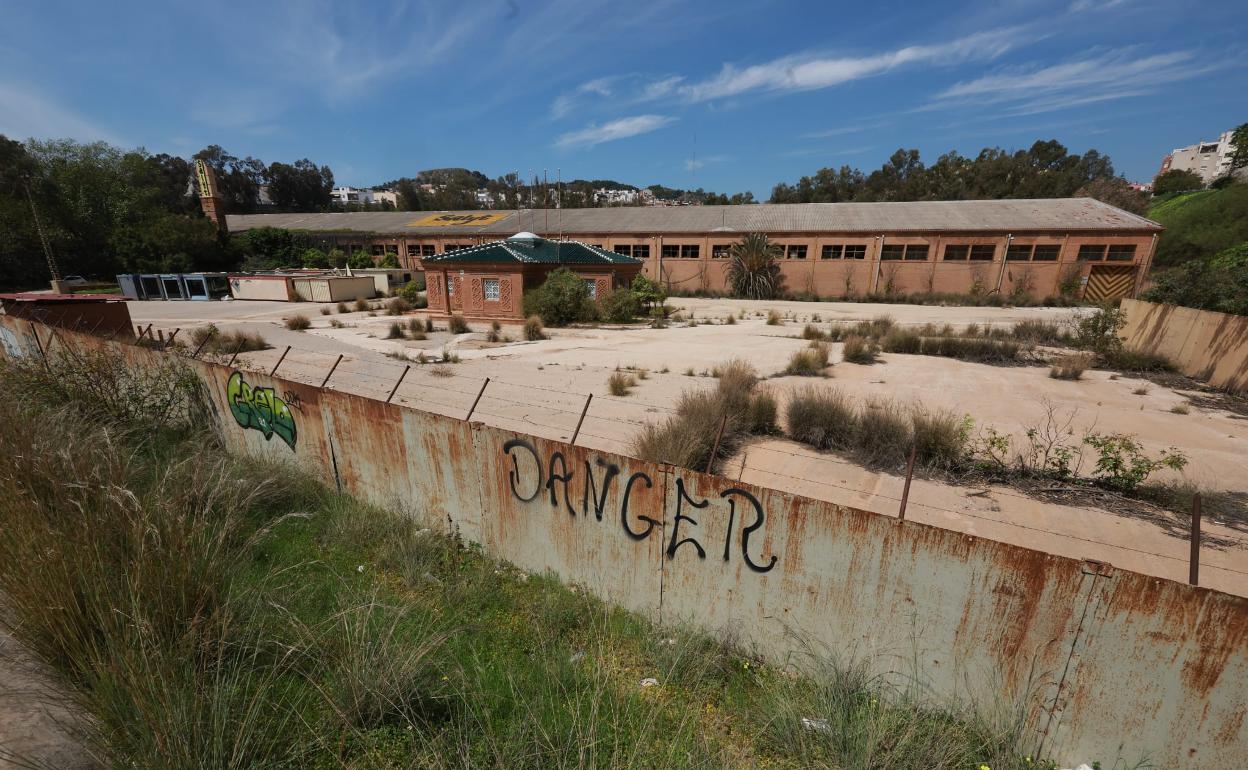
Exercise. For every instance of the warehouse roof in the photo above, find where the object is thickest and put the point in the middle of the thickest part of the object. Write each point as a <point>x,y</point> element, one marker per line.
<point>527,248</point>
<point>1046,214</point>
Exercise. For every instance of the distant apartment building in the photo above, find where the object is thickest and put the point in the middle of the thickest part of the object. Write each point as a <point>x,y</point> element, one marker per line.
<point>1208,160</point>
<point>345,195</point>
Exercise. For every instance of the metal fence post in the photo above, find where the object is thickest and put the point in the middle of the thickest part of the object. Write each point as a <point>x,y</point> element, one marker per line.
<point>143,334</point>
<point>325,381</point>
<point>406,369</point>
<point>234,355</point>
<point>477,400</point>
<point>199,348</point>
<point>584,410</point>
<point>38,342</point>
<point>169,341</point>
<point>1193,575</point>
<point>279,361</point>
<point>905,491</point>
<point>719,436</point>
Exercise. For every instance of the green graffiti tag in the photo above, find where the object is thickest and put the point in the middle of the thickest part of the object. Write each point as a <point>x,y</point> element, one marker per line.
<point>260,409</point>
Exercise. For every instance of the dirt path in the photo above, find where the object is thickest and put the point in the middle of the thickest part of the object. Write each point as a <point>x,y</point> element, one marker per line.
<point>35,730</point>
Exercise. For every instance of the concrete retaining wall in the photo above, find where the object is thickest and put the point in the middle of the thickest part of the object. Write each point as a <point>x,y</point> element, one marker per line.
<point>1111,663</point>
<point>1202,344</point>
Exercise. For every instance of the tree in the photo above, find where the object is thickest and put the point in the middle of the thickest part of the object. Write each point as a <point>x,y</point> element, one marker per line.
<point>390,261</point>
<point>562,299</point>
<point>1239,140</point>
<point>300,187</point>
<point>269,247</point>
<point>648,293</point>
<point>753,271</point>
<point>1116,192</point>
<point>1219,284</point>
<point>1176,180</point>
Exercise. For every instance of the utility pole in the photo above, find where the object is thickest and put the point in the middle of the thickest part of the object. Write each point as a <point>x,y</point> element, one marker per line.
<point>53,268</point>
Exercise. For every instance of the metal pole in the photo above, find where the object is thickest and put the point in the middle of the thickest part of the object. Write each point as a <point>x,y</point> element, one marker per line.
<point>584,410</point>
<point>905,491</point>
<point>396,385</point>
<point>279,361</point>
<point>234,355</point>
<point>1193,575</point>
<point>199,348</point>
<point>169,341</point>
<point>143,334</point>
<point>477,400</point>
<point>719,435</point>
<point>325,381</point>
<point>38,342</point>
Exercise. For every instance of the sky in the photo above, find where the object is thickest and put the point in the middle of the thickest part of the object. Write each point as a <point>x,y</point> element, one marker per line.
<point>727,96</point>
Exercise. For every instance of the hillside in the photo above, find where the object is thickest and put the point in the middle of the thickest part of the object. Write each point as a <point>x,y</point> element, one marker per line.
<point>1200,224</point>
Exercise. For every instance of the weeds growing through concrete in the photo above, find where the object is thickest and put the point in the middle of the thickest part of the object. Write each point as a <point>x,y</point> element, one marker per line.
<point>774,319</point>
<point>809,361</point>
<point>362,305</point>
<point>619,383</point>
<point>298,323</point>
<point>213,340</point>
<point>457,325</point>
<point>533,329</point>
<point>858,350</point>
<point>395,331</point>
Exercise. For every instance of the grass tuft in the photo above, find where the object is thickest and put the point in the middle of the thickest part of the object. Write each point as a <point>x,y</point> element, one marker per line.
<point>298,323</point>
<point>809,362</point>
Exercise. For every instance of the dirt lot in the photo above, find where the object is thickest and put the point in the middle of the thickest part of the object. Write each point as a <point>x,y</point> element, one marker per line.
<point>540,387</point>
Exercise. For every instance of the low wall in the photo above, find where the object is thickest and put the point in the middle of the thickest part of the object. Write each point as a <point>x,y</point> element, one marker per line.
<point>1208,346</point>
<point>1112,663</point>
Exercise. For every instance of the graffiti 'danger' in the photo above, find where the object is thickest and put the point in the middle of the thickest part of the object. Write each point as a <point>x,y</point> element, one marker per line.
<point>260,409</point>
<point>558,477</point>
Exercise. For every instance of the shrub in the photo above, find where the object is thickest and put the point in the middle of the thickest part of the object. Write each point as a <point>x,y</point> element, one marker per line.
<point>971,349</point>
<point>809,362</point>
<point>413,291</point>
<point>730,319</point>
<point>737,379</point>
<point>215,341</point>
<point>649,294</point>
<point>1098,332</point>
<point>457,325</point>
<point>533,329</point>
<point>760,416</point>
<point>883,434</point>
<point>362,305</point>
<point>561,300</point>
<point>395,332</point>
<point>1122,464</point>
<point>940,438</point>
<point>397,306</point>
<point>298,323</point>
<point>341,307</point>
<point>821,417</point>
<point>326,311</point>
<point>858,350</point>
<point>812,332</point>
<point>1040,333</point>
<point>774,319</point>
<point>619,307</point>
<point>902,341</point>
<point>618,384</point>
<point>1070,367</point>
<point>1137,361</point>
<point>493,335</point>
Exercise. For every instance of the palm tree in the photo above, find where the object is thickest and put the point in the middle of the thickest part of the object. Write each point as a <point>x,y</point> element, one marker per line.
<point>753,271</point>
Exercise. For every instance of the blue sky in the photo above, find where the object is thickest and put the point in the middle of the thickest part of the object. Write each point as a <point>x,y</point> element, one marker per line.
<point>728,96</point>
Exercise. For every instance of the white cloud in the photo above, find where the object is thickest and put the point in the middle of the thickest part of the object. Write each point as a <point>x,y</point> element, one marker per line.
<point>611,131</point>
<point>694,164</point>
<point>842,131</point>
<point>1112,75</point>
<point>25,113</point>
<point>1080,6</point>
<point>626,89</point>
<point>809,72</point>
<point>565,103</point>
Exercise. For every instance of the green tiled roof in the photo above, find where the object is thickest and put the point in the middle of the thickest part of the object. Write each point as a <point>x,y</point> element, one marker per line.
<point>529,249</point>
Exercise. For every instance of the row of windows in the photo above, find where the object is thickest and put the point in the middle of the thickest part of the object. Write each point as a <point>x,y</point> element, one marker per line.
<point>1114,253</point>
<point>493,289</point>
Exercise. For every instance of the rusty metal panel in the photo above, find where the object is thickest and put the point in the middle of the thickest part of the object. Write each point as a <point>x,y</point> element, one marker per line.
<point>593,518</point>
<point>1164,675</point>
<point>444,479</point>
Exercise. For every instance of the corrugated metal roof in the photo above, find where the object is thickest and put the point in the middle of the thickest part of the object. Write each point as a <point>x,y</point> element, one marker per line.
<point>1047,214</point>
<point>532,251</point>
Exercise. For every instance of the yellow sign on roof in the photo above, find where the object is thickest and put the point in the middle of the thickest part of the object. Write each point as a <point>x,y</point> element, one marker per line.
<point>457,220</point>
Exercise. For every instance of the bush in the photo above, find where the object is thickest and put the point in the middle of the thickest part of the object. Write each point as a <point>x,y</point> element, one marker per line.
<point>686,438</point>
<point>812,332</point>
<point>395,332</point>
<point>619,307</point>
<point>618,384</point>
<point>362,305</point>
<point>413,292</point>
<point>902,341</point>
<point>809,362</point>
<point>760,417</point>
<point>561,300</point>
<point>858,350</point>
<point>649,294</point>
<point>397,306</point>
<point>753,270</point>
<point>940,438</point>
<point>737,379</point>
<point>1098,332</point>
<point>883,435</point>
<point>457,325</point>
<point>1040,333</point>
<point>821,417</point>
<point>971,349</point>
<point>341,307</point>
<point>214,341</point>
<point>1122,464</point>
<point>533,329</point>
<point>1137,361</point>
<point>774,319</point>
<point>1070,367</point>
<point>298,323</point>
